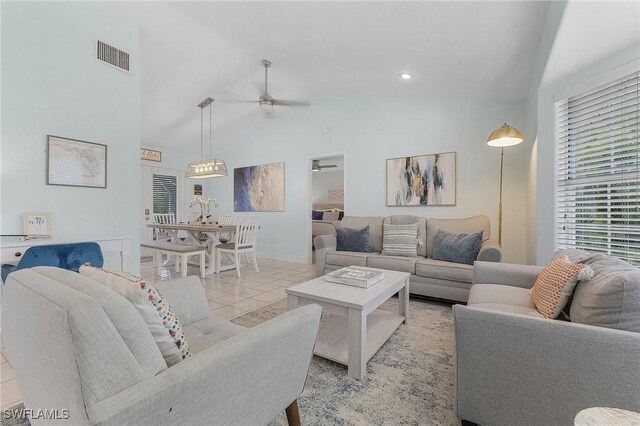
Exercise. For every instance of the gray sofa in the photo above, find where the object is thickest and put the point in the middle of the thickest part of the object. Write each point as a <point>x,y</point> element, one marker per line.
<point>515,367</point>
<point>77,345</point>
<point>429,277</point>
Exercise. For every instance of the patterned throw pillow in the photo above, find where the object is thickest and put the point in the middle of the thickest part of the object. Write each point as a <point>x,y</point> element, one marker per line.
<point>400,240</point>
<point>330,215</point>
<point>555,284</point>
<point>156,312</point>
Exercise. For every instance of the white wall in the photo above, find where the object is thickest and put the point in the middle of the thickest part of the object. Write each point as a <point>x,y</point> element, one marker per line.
<point>322,181</point>
<point>553,20</point>
<point>369,131</point>
<point>545,179</point>
<point>51,84</point>
<point>569,27</point>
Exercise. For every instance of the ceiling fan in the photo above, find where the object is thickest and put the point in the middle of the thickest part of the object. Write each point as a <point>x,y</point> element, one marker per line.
<point>266,101</point>
<point>316,167</point>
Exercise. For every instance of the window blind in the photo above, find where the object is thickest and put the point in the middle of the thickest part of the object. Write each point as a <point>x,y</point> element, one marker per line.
<point>165,194</point>
<point>598,169</point>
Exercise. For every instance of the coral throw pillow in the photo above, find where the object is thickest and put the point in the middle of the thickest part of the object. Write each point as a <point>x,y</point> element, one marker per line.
<point>556,282</point>
<point>154,309</point>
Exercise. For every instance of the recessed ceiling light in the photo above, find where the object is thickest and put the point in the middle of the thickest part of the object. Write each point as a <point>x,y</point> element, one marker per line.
<point>406,76</point>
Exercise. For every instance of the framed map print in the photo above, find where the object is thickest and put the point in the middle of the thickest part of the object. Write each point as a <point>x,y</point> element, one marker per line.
<point>72,162</point>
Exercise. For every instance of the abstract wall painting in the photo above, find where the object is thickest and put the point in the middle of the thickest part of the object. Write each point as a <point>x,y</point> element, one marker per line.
<point>422,180</point>
<point>259,188</point>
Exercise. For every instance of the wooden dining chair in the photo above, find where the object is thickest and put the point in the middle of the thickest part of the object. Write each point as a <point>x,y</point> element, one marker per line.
<point>226,220</point>
<point>163,219</point>
<point>163,235</point>
<point>245,242</point>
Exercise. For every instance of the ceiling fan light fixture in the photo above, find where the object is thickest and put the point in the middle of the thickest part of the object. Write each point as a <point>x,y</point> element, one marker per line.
<point>315,166</point>
<point>266,105</point>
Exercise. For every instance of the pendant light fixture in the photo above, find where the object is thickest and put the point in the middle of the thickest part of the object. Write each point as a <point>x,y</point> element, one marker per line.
<point>204,169</point>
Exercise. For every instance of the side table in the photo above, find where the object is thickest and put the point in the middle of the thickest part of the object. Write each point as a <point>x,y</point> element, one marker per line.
<point>599,416</point>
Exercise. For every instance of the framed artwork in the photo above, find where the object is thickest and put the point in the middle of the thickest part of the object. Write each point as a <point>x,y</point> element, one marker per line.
<point>151,155</point>
<point>197,189</point>
<point>72,162</point>
<point>36,224</point>
<point>335,194</point>
<point>259,188</point>
<point>422,180</point>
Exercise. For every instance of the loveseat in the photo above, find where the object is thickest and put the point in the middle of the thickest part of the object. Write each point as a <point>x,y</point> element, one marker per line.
<point>515,367</point>
<point>79,346</point>
<point>429,277</point>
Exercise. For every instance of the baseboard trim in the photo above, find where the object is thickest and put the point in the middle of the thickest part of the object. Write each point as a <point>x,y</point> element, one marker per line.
<point>262,254</point>
<point>283,257</point>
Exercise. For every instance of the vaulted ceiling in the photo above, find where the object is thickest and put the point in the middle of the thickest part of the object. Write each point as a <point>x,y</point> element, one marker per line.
<point>478,50</point>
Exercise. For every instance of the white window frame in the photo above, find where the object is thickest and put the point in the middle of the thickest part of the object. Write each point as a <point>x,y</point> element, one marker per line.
<point>559,98</point>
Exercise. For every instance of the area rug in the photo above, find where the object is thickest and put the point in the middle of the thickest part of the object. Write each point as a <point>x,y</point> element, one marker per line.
<point>409,381</point>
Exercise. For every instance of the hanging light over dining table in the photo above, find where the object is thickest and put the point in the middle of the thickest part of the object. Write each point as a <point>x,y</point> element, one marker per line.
<point>205,169</point>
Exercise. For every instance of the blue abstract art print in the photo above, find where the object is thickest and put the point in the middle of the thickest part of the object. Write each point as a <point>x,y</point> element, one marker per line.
<point>259,188</point>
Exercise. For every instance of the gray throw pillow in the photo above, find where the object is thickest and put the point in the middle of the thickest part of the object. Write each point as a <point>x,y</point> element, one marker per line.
<point>458,248</point>
<point>352,239</point>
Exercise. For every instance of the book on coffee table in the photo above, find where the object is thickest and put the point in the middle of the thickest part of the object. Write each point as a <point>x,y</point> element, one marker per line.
<point>355,276</point>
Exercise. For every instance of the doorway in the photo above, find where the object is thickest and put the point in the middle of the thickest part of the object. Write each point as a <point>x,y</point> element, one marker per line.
<point>163,192</point>
<point>327,191</point>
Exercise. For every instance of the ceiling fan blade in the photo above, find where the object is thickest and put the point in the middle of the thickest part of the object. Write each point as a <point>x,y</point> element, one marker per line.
<point>281,102</point>
<point>239,101</point>
<point>328,166</point>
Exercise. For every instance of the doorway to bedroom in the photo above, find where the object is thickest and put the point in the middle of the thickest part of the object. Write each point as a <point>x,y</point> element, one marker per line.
<point>327,196</point>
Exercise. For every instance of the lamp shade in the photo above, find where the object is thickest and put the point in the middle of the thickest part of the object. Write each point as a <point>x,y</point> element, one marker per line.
<point>505,136</point>
<point>206,169</point>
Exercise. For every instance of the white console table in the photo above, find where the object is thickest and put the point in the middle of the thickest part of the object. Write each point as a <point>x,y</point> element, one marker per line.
<point>11,252</point>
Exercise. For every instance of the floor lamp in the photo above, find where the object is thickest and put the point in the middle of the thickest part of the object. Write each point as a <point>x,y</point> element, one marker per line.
<point>504,136</point>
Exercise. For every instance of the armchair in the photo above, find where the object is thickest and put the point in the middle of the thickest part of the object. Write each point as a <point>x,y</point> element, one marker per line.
<point>514,367</point>
<point>66,256</point>
<point>96,358</point>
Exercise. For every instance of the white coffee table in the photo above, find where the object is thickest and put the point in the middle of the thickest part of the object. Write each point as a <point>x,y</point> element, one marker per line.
<point>356,333</point>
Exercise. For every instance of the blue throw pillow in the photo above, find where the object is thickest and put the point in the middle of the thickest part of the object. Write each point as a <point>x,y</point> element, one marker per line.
<point>458,248</point>
<point>316,215</point>
<point>351,239</point>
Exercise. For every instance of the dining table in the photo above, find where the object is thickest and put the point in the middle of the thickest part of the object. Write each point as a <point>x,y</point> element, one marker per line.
<point>203,235</point>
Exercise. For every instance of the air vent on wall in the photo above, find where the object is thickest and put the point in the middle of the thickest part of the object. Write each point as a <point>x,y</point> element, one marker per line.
<point>112,55</point>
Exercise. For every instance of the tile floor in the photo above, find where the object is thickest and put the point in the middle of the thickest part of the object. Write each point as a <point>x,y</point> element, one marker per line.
<point>228,297</point>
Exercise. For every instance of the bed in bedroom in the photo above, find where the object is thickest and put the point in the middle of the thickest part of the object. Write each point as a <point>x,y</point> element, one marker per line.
<point>326,218</point>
